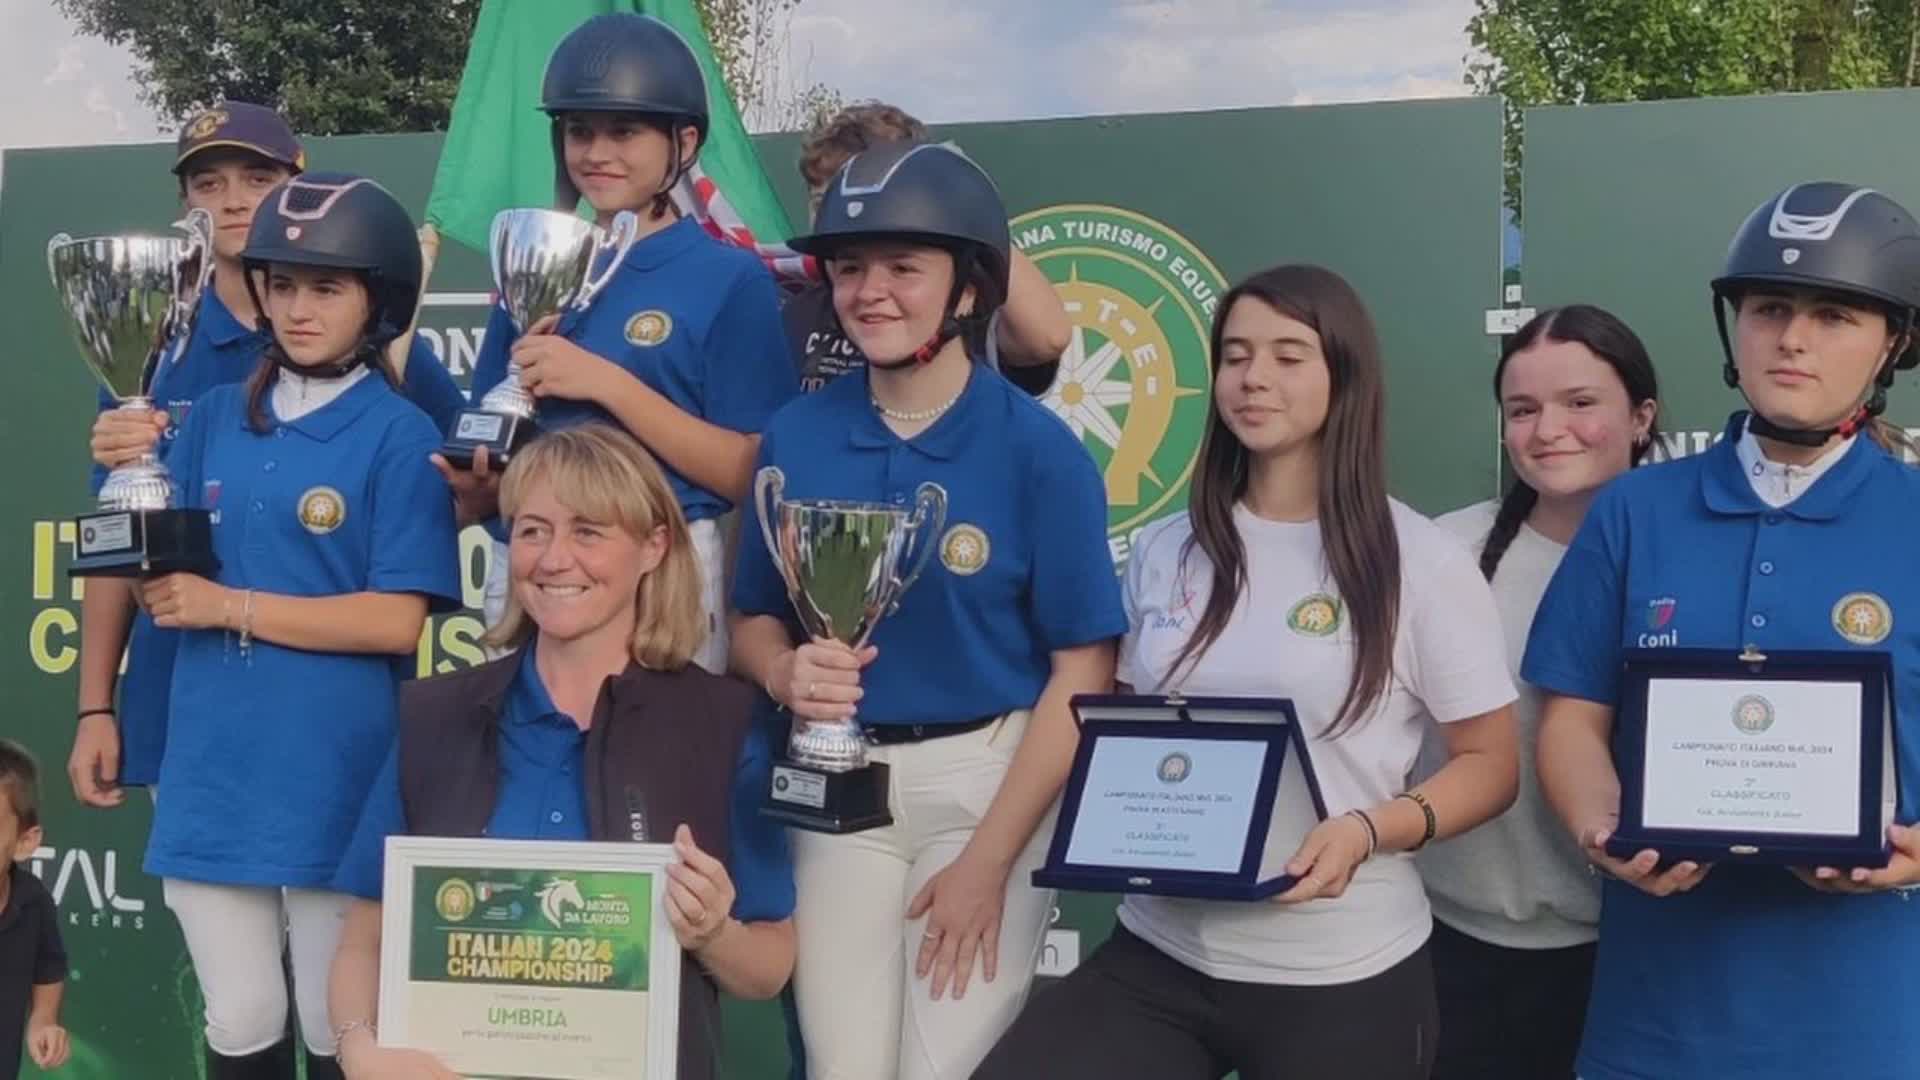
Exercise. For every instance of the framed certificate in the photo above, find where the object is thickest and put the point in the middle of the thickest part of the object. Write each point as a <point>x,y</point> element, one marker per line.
<point>1198,797</point>
<point>1779,757</point>
<point>530,959</point>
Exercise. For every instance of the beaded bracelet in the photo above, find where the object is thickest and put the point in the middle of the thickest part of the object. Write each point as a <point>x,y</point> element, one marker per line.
<point>1426,808</point>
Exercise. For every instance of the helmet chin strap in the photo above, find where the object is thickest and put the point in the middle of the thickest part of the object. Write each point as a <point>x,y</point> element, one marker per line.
<point>952,325</point>
<point>950,328</point>
<point>1856,421</point>
<point>362,354</point>
<point>1846,429</point>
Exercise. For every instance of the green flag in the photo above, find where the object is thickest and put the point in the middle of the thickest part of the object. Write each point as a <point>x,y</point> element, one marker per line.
<point>499,149</point>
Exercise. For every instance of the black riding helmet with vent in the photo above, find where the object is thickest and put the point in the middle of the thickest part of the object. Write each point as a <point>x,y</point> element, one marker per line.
<point>1837,238</point>
<point>348,223</point>
<point>921,193</point>
<point>624,63</point>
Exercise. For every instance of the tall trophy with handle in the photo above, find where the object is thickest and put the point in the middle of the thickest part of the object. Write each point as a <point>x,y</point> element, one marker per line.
<point>129,298</point>
<point>843,565</point>
<point>543,264</point>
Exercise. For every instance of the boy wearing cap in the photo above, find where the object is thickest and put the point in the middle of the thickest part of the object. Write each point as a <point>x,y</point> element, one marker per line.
<point>228,158</point>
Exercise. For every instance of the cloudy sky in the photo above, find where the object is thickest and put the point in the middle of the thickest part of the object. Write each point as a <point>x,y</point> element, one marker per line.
<point>979,60</point>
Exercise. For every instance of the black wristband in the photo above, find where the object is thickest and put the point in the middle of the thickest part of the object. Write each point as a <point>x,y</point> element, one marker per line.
<point>104,710</point>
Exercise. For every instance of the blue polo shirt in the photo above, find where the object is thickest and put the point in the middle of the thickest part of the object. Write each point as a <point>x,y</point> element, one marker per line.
<point>696,320</point>
<point>1020,569</point>
<point>1752,974</point>
<point>542,796</point>
<point>220,350</point>
<point>429,385</point>
<point>270,752</point>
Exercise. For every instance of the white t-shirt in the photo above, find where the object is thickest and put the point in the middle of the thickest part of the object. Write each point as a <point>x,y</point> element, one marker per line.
<point>1518,881</point>
<point>1449,663</point>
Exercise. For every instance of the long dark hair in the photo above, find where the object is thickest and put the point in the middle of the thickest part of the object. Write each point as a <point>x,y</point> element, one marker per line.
<point>1605,336</point>
<point>1362,548</point>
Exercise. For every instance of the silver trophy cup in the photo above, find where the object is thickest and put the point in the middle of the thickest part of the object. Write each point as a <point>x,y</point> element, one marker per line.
<point>543,264</point>
<point>128,298</point>
<point>846,565</point>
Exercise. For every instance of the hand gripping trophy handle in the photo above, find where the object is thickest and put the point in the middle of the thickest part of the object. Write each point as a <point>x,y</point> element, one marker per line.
<point>845,565</point>
<point>524,274</point>
<point>130,299</point>
<point>837,745</point>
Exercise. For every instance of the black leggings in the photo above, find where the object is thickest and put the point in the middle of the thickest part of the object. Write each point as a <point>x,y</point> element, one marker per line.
<point>1132,1011</point>
<point>1508,1012</point>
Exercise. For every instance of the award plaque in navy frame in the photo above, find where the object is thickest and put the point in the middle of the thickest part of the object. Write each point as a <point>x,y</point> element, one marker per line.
<point>1738,757</point>
<point>1204,797</point>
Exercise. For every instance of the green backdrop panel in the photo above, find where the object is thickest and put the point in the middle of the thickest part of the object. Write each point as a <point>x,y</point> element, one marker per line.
<point>1631,207</point>
<point>1403,199</point>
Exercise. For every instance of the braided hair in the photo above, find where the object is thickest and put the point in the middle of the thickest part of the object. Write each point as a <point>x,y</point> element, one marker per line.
<point>1608,338</point>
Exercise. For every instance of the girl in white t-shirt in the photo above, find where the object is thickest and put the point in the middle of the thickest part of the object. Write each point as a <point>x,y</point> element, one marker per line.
<point>1516,911</point>
<point>1293,574</point>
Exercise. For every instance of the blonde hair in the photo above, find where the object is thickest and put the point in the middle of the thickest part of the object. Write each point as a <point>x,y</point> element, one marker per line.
<point>603,474</point>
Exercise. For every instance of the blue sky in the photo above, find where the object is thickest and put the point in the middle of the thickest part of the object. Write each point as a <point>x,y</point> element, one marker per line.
<point>945,61</point>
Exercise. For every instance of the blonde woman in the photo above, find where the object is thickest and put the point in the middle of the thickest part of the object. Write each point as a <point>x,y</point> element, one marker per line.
<point>595,711</point>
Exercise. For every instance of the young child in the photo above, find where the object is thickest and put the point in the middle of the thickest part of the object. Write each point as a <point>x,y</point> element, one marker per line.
<point>33,965</point>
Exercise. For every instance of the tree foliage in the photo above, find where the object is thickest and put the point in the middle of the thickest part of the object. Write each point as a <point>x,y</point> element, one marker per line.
<point>1571,52</point>
<point>334,66</point>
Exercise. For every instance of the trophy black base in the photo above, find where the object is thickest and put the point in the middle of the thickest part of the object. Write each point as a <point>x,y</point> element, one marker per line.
<point>500,433</point>
<point>829,802</point>
<point>143,543</point>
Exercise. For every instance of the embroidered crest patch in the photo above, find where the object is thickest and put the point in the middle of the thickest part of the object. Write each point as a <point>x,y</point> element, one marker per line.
<point>321,510</point>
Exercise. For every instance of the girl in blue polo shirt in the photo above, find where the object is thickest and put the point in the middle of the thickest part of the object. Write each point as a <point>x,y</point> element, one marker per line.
<point>1785,535</point>
<point>918,940</point>
<point>334,537</point>
<point>229,158</point>
<point>684,347</point>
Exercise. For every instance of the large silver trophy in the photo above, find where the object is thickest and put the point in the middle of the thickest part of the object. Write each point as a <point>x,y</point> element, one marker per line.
<point>846,565</point>
<point>543,264</point>
<point>130,299</point>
